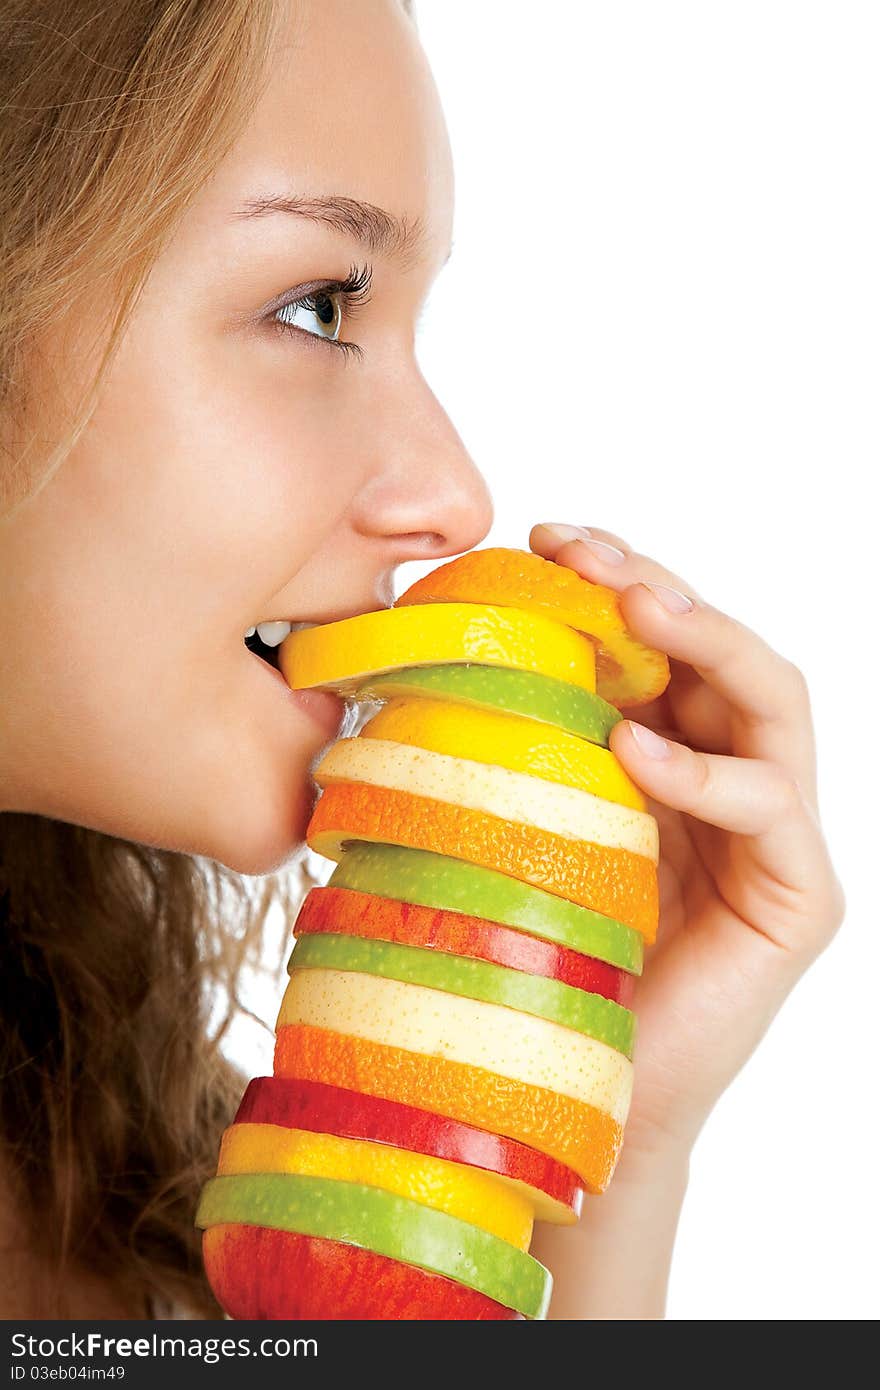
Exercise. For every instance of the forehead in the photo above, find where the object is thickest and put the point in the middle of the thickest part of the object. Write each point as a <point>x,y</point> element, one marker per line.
<point>350,108</point>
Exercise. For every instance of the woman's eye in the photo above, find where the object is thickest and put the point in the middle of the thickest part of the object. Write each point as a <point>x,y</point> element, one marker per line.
<point>318,313</point>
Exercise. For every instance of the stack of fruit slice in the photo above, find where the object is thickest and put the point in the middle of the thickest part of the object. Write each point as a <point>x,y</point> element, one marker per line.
<point>454,1047</point>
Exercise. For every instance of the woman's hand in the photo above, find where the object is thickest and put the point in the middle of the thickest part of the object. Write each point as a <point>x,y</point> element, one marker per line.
<point>748,894</point>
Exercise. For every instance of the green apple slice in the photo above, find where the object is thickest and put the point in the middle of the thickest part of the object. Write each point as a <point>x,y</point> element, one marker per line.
<point>476,979</point>
<point>545,698</point>
<point>384,1222</point>
<point>437,880</point>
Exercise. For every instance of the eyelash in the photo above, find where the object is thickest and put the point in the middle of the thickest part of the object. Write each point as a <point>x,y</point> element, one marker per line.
<point>355,292</point>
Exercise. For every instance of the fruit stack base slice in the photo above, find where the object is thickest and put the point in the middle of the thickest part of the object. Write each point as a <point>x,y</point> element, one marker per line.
<point>385,1223</point>
<point>257,1272</point>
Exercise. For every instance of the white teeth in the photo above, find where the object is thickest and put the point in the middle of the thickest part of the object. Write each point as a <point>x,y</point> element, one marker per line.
<point>250,632</point>
<point>272,634</point>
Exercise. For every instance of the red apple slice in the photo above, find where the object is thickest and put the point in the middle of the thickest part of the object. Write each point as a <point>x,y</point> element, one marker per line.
<point>351,912</point>
<point>257,1272</point>
<point>556,1192</point>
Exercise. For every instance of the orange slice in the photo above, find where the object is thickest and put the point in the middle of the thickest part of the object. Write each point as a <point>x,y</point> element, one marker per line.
<point>627,672</point>
<point>615,882</point>
<point>456,1188</point>
<point>576,1134</point>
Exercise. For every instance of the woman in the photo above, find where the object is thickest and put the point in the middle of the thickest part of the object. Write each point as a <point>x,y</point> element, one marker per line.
<point>220,221</point>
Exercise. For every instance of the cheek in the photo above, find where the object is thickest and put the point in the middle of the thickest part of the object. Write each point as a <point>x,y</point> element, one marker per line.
<point>188,504</point>
<point>117,741</point>
<point>220,456</point>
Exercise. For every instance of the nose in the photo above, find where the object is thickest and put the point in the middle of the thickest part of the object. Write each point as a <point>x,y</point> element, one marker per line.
<point>425,495</point>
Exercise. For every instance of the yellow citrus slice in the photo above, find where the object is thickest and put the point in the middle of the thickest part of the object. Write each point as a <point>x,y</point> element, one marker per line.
<point>627,672</point>
<point>587,1140</point>
<point>506,740</point>
<point>456,1188</point>
<point>613,882</point>
<point>529,800</point>
<point>492,1036</point>
<point>340,656</point>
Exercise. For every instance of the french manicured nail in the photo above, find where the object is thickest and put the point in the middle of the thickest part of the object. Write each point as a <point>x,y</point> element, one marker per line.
<point>565,532</point>
<point>649,743</point>
<point>671,599</point>
<point>603,551</point>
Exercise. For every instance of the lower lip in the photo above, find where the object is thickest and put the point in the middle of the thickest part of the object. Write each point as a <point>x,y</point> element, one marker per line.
<point>326,710</point>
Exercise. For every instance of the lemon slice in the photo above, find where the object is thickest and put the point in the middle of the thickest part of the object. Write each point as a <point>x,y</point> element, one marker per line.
<point>506,740</point>
<point>340,656</point>
<point>465,1192</point>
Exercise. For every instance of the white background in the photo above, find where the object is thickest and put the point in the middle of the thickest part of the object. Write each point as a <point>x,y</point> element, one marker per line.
<point>661,317</point>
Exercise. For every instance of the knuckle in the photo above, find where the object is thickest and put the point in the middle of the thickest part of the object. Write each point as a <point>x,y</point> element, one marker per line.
<point>796,679</point>
<point>837,906</point>
<point>784,793</point>
<point>703,778</point>
<point>611,538</point>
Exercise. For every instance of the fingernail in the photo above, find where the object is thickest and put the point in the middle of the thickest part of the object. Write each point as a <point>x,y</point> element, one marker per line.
<point>649,743</point>
<point>603,551</point>
<point>565,532</point>
<point>671,599</point>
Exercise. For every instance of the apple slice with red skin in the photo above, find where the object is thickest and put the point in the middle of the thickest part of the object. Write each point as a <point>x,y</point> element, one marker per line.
<point>351,912</point>
<point>555,1191</point>
<point>257,1272</point>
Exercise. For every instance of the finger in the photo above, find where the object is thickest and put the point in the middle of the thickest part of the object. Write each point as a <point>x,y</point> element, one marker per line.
<point>770,716</point>
<point>601,556</point>
<point>755,799</point>
<point>700,717</point>
<point>770,706</point>
<point>548,537</point>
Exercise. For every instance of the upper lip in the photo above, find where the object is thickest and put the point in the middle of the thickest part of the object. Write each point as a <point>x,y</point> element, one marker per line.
<point>325,617</point>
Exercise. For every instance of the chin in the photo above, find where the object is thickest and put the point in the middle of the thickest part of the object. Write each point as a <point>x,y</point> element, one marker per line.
<point>259,831</point>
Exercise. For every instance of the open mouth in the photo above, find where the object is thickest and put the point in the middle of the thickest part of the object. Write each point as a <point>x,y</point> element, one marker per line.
<point>265,639</point>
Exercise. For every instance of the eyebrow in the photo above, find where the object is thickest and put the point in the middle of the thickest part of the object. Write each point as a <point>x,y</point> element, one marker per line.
<point>381,232</point>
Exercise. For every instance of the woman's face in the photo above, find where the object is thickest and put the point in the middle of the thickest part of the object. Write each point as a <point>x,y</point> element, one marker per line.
<point>241,468</point>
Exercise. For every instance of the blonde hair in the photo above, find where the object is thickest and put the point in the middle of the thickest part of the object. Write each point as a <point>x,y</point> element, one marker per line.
<point>111,954</point>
